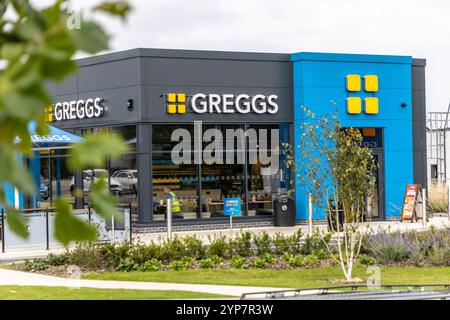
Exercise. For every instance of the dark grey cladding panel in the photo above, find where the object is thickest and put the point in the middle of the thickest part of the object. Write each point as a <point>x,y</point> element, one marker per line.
<point>114,74</point>
<point>115,103</point>
<point>419,121</point>
<point>215,72</point>
<point>156,107</point>
<point>184,54</point>
<point>65,87</point>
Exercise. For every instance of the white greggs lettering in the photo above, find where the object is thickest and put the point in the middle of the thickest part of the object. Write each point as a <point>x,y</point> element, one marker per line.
<point>78,109</point>
<point>228,103</point>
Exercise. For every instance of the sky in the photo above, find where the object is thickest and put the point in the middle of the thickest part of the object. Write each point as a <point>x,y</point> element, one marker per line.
<point>416,28</point>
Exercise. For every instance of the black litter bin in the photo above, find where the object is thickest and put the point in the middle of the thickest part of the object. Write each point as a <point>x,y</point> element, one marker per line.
<point>283,211</point>
<point>332,216</point>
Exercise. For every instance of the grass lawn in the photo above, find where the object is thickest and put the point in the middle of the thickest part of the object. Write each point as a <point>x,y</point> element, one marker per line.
<point>298,278</point>
<point>62,293</point>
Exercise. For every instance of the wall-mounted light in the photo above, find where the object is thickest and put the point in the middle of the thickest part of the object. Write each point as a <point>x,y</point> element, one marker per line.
<point>130,104</point>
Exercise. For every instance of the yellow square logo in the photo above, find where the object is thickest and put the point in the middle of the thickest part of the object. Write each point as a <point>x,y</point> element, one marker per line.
<point>171,97</point>
<point>371,105</point>
<point>171,108</point>
<point>176,103</point>
<point>371,83</point>
<point>353,82</point>
<point>49,114</point>
<point>354,105</point>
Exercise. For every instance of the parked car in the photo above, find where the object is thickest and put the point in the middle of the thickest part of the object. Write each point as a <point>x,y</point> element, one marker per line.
<point>44,190</point>
<point>92,175</point>
<point>127,178</point>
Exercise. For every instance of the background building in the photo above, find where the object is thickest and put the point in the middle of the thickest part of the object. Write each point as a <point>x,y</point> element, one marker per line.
<point>145,94</point>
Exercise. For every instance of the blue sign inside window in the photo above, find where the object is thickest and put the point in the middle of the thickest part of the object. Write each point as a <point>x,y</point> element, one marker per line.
<point>232,206</point>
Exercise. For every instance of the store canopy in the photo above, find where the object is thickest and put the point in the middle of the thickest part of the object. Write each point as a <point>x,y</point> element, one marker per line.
<point>56,139</point>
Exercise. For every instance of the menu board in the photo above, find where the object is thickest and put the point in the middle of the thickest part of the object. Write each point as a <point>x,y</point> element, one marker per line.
<point>409,203</point>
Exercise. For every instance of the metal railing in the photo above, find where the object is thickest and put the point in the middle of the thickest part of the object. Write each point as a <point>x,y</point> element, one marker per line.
<point>352,291</point>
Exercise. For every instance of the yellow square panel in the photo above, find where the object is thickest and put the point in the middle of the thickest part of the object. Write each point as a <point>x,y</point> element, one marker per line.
<point>353,82</point>
<point>371,83</point>
<point>171,97</point>
<point>181,108</point>
<point>354,105</point>
<point>181,97</point>
<point>371,105</point>
<point>171,108</point>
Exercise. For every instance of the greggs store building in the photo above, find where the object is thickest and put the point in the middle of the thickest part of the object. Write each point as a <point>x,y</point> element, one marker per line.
<point>156,99</point>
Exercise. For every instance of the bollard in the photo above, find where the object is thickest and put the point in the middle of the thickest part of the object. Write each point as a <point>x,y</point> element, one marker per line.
<point>3,230</point>
<point>47,238</point>
<point>310,215</point>
<point>113,230</point>
<point>424,207</point>
<point>89,214</point>
<point>449,202</point>
<point>131,227</point>
<point>169,218</point>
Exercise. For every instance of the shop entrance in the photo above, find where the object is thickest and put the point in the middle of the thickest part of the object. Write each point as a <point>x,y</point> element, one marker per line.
<point>373,139</point>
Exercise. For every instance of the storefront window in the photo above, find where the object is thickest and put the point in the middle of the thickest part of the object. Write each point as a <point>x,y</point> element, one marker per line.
<point>122,173</point>
<point>56,180</point>
<point>236,168</point>
<point>182,181</point>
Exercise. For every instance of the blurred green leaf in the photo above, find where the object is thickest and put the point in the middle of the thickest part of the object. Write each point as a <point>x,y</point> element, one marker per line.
<point>117,8</point>
<point>68,228</point>
<point>94,150</point>
<point>90,37</point>
<point>103,203</point>
<point>17,222</point>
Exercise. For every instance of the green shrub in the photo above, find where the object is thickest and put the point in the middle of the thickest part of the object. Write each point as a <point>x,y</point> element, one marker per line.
<point>259,263</point>
<point>280,243</point>
<point>115,254</point>
<point>243,244</point>
<point>311,260</point>
<point>294,242</point>
<point>127,265</point>
<point>418,253</point>
<point>439,256</point>
<point>88,256</point>
<point>151,265</point>
<point>389,248</point>
<point>294,260</point>
<point>268,257</point>
<point>366,260</point>
<point>35,265</point>
<point>173,250</point>
<point>315,242</point>
<point>216,260</point>
<point>177,266</point>
<point>188,261</point>
<point>320,254</point>
<point>219,246</point>
<point>56,260</point>
<point>140,253</point>
<point>206,263</point>
<point>194,247</point>
<point>262,243</point>
<point>237,262</point>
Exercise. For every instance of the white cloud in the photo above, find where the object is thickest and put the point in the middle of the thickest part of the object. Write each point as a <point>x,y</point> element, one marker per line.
<point>405,27</point>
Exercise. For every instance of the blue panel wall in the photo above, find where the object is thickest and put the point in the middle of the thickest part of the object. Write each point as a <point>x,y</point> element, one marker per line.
<point>320,85</point>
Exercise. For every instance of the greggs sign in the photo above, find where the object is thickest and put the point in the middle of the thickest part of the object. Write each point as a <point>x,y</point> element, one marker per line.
<point>78,109</point>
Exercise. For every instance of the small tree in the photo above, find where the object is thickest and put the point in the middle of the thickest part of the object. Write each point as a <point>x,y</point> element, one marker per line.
<point>338,173</point>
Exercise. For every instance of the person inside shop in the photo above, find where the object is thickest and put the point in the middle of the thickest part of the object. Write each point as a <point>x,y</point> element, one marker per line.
<point>176,209</point>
